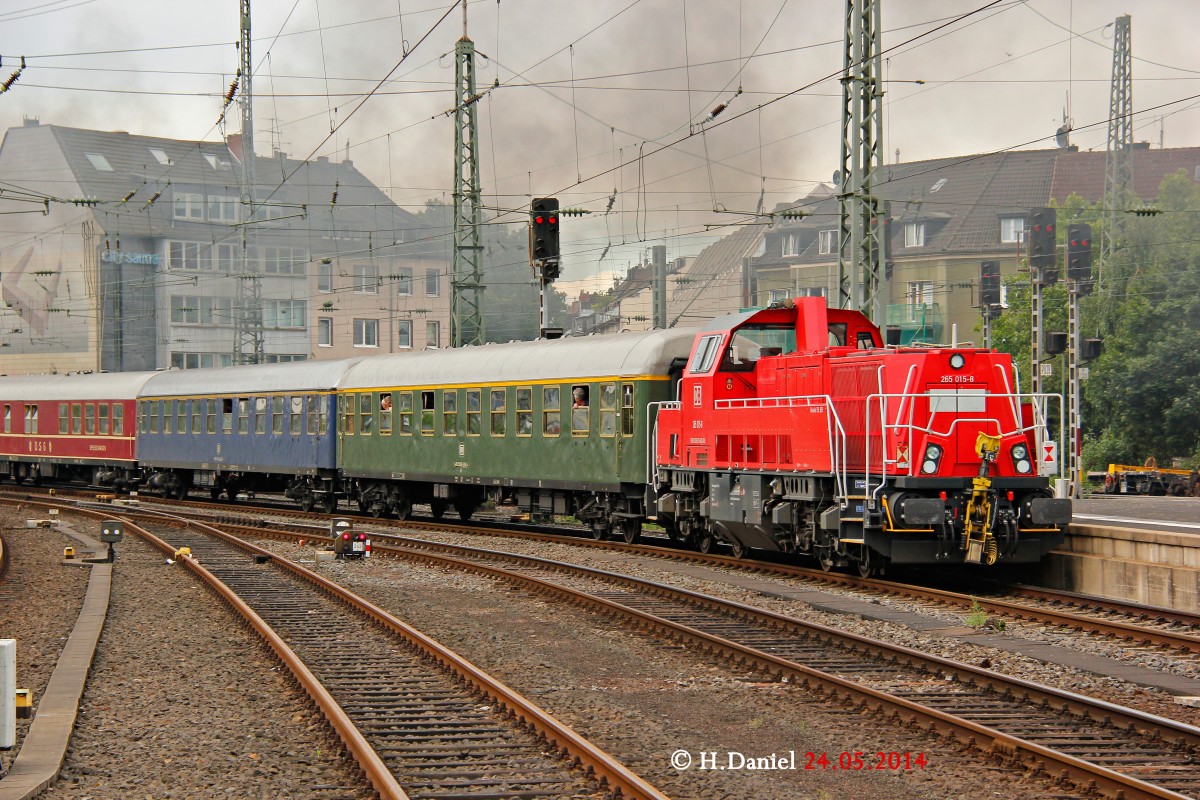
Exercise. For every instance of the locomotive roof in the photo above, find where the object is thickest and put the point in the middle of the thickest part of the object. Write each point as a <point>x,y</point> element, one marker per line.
<point>84,386</point>
<point>574,358</point>
<point>296,376</point>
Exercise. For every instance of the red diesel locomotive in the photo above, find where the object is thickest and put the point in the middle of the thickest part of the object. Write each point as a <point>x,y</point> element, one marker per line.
<point>796,430</point>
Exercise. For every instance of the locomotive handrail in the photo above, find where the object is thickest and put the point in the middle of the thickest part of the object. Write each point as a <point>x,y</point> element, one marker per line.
<point>897,424</point>
<point>652,410</point>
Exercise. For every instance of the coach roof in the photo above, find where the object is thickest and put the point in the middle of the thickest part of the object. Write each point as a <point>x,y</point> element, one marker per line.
<point>575,358</point>
<point>258,379</point>
<point>88,386</point>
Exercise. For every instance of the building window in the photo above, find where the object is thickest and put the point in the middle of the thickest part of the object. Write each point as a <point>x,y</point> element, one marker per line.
<point>325,276</point>
<point>197,310</point>
<point>1012,230</point>
<point>791,244</point>
<point>285,260</point>
<point>404,281</point>
<point>200,360</point>
<point>160,155</point>
<point>284,313</point>
<point>433,334</point>
<point>189,205</point>
<point>433,285</point>
<point>366,333</point>
<point>920,293</point>
<point>827,242</point>
<point>366,279</point>
<point>228,257</point>
<point>188,255</point>
<point>914,234</point>
<point>404,334</point>
<point>222,208</point>
<point>325,332</point>
<point>779,295</point>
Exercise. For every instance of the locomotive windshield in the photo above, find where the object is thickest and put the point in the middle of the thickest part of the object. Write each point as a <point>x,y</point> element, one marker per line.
<point>752,342</point>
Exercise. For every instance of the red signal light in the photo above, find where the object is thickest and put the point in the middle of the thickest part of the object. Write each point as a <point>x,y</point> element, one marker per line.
<point>539,220</point>
<point>346,536</point>
<point>554,220</point>
<point>362,537</point>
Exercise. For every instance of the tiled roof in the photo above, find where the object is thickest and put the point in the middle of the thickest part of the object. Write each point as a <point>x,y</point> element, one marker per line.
<point>1083,173</point>
<point>713,280</point>
<point>144,165</point>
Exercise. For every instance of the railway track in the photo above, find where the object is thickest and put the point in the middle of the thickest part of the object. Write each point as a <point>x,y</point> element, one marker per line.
<point>420,720</point>
<point>1135,624</point>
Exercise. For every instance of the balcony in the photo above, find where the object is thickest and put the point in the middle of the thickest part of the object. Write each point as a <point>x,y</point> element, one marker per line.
<point>917,323</point>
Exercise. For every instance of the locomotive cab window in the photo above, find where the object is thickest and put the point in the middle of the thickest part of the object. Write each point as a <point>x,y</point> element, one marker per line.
<point>580,421</point>
<point>551,420</point>
<point>865,340</point>
<point>752,342</point>
<point>706,354</point>
<point>837,334</point>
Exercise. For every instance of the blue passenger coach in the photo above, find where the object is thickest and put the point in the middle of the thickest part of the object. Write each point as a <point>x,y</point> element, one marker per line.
<point>264,428</point>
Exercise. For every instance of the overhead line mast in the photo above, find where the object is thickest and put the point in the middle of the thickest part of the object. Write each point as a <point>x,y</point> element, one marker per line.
<point>862,280</point>
<point>466,298</point>
<point>1118,173</point>
<point>248,319</point>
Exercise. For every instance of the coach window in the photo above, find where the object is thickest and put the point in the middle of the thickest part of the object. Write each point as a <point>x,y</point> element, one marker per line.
<point>428,413</point>
<point>277,415</point>
<point>210,421</point>
<point>524,412</point>
<point>310,407</point>
<point>197,415</point>
<point>243,415</point>
<point>77,418</point>
<point>260,415</point>
<point>181,416</point>
<point>89,419</point>
<point>226,415</point>
<point>118,418</point>
<point>406,413</point>
<point>385,414</point>
<point>141,410</point>
<point>474,423</point>
<point>348,413</point>
<point>296,423</point>
<point>366,413</point>
<point>551,421</point>
<point>102,409</point>
<point>155,406</point>
<point>64,419</point>
<point>450,413</point>
<point>579,410</point>
<point>608,409</point>
<point>499,406</point>
<point>627,409</point>
<point>168,416</point>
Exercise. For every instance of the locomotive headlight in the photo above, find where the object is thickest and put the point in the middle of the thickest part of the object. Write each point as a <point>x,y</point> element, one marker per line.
<point>1020,457</point>
<point>957,361</point>
<point>933,454</point>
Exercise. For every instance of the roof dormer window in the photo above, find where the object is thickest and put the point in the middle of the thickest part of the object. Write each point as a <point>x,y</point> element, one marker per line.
<point>941,182</point>
<point>914,234</point>
<point>99,162</point>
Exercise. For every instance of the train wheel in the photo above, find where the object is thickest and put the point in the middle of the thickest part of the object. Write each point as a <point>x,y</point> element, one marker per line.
<point>438,508</point>
<point>739,550</point>
<point>307,503</point>
<point>465,509</point>
<point>630,530</point>
<point>330,503</point>
<point>599,531</point>
<point>214,493</point>
<point>402,507</point>
<point>706,542</point>
<point>181,492</point>
<point>825,558</point>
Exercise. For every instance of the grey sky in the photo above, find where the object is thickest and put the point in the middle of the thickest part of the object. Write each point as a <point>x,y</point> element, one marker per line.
<point>587,85</point>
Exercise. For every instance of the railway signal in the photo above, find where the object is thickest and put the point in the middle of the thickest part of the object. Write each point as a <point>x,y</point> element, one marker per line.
<point>543,236</point>
<point>1079,256</point>
<point>1043,242</point>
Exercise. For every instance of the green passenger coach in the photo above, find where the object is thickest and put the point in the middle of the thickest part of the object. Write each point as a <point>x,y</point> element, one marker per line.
<point>555,426</point>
